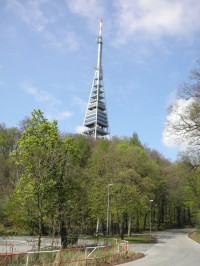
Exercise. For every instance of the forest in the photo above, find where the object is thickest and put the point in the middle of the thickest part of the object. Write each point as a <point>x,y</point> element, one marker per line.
<point>57,184</point>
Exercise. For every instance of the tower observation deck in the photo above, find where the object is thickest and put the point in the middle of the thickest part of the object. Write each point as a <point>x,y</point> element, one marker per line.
<point>96,118</point>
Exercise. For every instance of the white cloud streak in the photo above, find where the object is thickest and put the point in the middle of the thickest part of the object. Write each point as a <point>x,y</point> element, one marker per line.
<point>80,129</point>
<point>52,104</point>
<point>154,19</point>
<point>78,101</point>
<point>42,16</point>
<point>30,12</point>
<point>170,137</point>
<point>64,115</point>
<point>91,9</point>
<point>128,20</point>
<point>39,95</point>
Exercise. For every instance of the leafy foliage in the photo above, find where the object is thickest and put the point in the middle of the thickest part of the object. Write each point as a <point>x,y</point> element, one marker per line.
<point>62,183</point>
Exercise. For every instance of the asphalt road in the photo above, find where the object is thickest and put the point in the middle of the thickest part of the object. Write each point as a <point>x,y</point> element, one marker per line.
<point>174,248</point>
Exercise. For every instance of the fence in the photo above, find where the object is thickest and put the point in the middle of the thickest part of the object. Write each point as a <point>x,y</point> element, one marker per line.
<point>11,245</point>
<point>88,255</point>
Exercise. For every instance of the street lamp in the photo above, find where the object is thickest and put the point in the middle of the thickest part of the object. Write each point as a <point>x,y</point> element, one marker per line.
<point>150,202</point>
<point>108,211</point>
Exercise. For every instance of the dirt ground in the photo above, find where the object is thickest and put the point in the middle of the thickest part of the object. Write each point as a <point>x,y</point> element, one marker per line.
<point>131,258</point>
<point>128,258</point>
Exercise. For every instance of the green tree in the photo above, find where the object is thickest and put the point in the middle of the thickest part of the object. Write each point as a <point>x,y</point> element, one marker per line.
<point>137,179</point>
<point>83,149</point>
<point>191,176</point>
<point>184,115</point>
<point>184,124</point>
<point>134,176</point>
<point>8,172</point>
<point>47,175</point>
<point>134,140</point>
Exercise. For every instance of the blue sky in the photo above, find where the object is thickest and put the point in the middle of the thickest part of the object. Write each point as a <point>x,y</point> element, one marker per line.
<point>48,53</point>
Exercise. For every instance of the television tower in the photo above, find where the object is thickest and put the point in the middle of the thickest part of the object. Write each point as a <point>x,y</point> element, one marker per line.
<point>96,118</point>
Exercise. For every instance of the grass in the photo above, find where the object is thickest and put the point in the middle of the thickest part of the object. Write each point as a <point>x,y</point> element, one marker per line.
<point>143,239</point>
<point>92,256</point>
<point>195,236</point>
<point>139,238</point>
<point>12,231</point>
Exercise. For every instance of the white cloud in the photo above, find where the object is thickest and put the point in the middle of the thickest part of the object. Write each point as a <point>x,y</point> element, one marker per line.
<point>155,19</point>
<point>64,115</point>
<point>170,136</point>
<point>92,10</point>
<point>78,101</point>
<point>30,12</point>
<point>80,129</point>
<point>168,139</point>
<point>86,8</point>
<point>51,104</point>
<point>131,20</point>
<point>59,115</point>
<point>171,98</point>
<point>39,95</point>
<point>62,40</point>
<point>42,16</point>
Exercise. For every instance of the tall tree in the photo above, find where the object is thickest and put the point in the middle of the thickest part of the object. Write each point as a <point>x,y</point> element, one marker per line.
<point>184,115</point>
<point>8,172</point>
<point>184,124</point>
<point>46,161</point>
<point>127,166</point>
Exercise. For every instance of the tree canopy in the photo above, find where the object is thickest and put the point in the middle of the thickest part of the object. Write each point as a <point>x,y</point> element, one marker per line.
<point>59,184</point>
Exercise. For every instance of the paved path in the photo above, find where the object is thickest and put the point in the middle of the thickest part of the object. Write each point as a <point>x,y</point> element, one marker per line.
<point>174,248</point>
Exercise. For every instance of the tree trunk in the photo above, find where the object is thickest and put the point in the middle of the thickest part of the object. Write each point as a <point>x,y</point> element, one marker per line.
<point>39,240</point>
<point>184,216</point>
<point>137,223</point>
<point>121,230</point>
<point>53,232</point>
<point>162,211</point>
<point>97,226</point>
<point>39,220</point>
<point>129,225</point>
<point>178,216</point>
<point>189,216</point>
<point>63,234</point>
<point>159,219</point>
<point>145,221</point>
<point>170,213</point>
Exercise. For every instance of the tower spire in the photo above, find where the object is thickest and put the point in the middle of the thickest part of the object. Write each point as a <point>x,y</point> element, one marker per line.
<point>96,118</point>
<point>100,31</point>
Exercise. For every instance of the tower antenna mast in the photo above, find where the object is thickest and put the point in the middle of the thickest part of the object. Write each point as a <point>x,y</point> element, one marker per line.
<point>96,118</point>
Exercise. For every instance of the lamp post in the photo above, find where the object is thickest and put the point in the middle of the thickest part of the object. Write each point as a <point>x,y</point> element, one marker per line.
<point>108,212</point>
<point>150,202</point>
